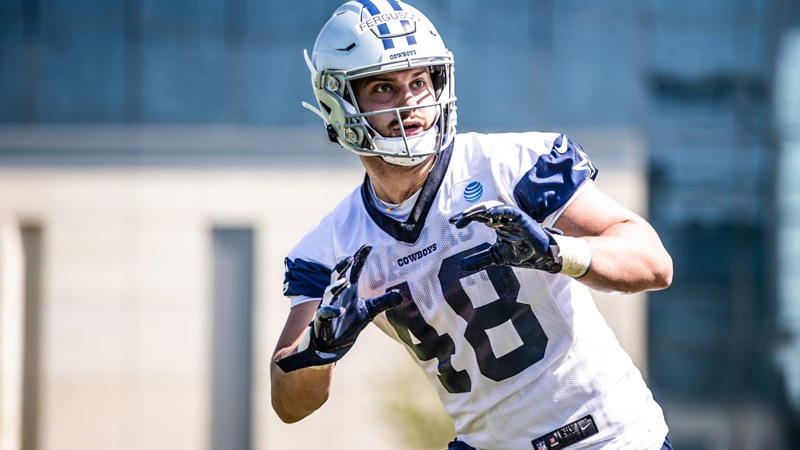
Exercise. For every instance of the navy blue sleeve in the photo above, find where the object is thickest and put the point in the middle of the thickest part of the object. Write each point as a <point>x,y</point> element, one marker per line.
<point>554,179</point>
<point>305,278</point>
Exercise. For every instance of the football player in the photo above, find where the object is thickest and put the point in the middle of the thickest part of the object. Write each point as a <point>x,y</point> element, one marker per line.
<point>475,251</point>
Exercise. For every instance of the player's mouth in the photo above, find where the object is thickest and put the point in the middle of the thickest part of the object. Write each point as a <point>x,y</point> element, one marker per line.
<point>411,128</point>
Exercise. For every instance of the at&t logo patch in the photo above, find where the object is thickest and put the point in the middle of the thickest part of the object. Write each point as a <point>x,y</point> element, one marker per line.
<point>473,192</point>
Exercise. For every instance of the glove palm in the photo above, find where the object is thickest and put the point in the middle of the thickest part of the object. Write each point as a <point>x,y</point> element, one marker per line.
<point>521,241</point>
<point>340,318</point>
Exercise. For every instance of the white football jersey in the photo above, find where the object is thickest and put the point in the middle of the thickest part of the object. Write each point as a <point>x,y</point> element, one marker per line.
<point>514,353</point>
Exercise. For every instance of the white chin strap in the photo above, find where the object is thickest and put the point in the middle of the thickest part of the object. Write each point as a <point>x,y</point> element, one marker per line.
<point>422,145</point>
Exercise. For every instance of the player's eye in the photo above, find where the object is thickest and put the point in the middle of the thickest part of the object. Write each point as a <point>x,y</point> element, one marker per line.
<point>382,88</point>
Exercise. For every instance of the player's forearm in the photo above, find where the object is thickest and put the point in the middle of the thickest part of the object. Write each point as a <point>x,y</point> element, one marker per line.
<point>628,257</point>
<point>297,394</point>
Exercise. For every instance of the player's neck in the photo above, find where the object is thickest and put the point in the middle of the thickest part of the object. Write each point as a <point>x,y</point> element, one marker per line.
<point>395,184</point>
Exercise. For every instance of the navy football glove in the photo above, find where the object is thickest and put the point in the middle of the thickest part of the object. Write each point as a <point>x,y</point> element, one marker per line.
<point>340,318</point>
<point>521,241</point>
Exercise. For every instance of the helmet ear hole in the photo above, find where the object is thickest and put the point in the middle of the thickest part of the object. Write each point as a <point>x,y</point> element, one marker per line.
<point>438,77</point>
<point>326,107</point>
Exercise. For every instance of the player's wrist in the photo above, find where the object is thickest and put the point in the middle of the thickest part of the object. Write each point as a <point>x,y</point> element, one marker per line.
<point>304,344</point>
<point>576,255</point>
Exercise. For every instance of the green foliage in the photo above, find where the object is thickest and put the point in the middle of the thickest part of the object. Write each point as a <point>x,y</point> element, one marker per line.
<point>413,409</point>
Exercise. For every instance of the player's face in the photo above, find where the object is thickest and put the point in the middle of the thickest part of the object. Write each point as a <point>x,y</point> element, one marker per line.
<point>411,87</point>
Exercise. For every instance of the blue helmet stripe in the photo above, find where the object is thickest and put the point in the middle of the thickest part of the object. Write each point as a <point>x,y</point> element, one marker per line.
<point>382,28</point>
<point>387,43</point>
<point>410,38</point>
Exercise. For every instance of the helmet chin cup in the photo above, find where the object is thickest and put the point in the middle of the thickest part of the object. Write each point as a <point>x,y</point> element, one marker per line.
<point>405,162</point>
<point>351,46</point>
<point>410,150</point>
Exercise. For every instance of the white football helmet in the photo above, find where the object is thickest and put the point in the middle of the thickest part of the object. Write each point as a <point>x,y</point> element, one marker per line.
<point>369,37</point>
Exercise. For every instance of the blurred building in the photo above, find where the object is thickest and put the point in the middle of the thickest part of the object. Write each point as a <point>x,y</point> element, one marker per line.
<point>787,107</point>
<point>155,166</point>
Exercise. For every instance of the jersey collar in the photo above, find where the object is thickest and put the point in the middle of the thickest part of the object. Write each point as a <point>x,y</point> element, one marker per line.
<point>410,230</point>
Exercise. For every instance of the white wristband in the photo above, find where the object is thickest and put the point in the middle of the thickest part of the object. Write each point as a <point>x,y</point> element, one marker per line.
<point>576,255</point>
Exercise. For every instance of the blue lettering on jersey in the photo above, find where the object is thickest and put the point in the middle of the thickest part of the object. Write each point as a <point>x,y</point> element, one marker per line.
<point>553,179</point>
<point>305,278</point>
<point>416,255</point>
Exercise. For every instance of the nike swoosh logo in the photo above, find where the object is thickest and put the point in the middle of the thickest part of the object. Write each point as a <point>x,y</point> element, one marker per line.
<point>562,147</point>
